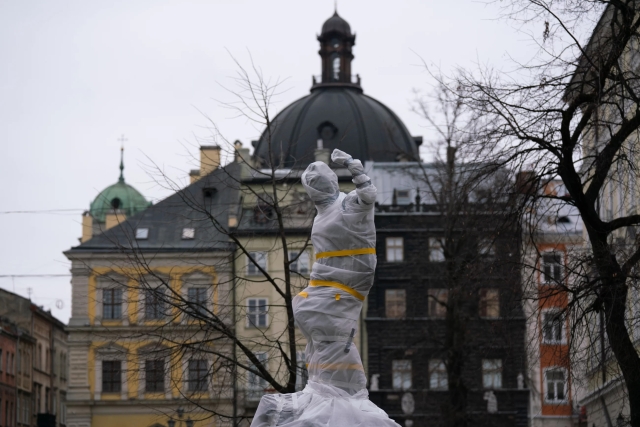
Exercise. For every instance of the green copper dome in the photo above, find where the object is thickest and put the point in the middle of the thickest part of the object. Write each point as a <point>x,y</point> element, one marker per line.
<point>119,196</point>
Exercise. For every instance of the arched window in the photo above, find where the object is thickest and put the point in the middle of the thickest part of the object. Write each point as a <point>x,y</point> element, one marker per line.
<point>335,71</point>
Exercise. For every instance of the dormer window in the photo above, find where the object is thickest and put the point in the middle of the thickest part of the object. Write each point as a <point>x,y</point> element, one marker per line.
<point>142,233</point>
<point>209,192</point>
<point>116,203</point>
<point>188,233</point>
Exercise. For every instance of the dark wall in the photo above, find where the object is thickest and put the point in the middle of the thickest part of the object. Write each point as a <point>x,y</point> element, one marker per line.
<point>419,337</point>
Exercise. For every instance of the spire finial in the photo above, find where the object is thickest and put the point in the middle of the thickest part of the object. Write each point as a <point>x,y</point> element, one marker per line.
<point>335,7</point>
<point>122,140</point>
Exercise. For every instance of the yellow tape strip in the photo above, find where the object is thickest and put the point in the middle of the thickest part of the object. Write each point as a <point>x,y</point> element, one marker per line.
<point>346,252</point>
<point>335,366</point>
<point>339,286</point>
<point>303,294</point>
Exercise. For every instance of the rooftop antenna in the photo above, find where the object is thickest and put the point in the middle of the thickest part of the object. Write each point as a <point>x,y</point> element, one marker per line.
<point>122,140</point>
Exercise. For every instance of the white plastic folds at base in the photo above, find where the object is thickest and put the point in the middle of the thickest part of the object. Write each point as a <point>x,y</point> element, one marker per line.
<point>320,405</point>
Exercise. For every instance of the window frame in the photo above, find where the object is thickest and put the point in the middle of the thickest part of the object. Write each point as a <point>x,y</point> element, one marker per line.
<point>492,372</point>
<point>201,383</point>
<point>157,313</point>
<point>249,323</point>
<point>438,367</point>
<point>197,306</point>
<point>486,247</point>
<point>565,385</point>
<point>557,314</point>
<point>256,385</point>
<point>556,268</point>
<point>392,246</point>
<point>483,302</point>
<point>401,374</point>
<point>399,303</point>
<point>112,290</point>
<point>252,268</point>
<point>436,250</point>
<point>304,255</point>
<point>435,309</point>
<point>154,378</point>
<point>188,233</point>
<point>142,233</point>
<point>115,377</point>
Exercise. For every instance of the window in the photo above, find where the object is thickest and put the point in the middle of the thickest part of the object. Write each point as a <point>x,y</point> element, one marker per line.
<point>257,312</point>
<point>395,301</point>
<point>197,297</point>
<point>552,327</point>
<point>402,197</point>
<point>395,249</point>
<point>436,251</point>
<point>486,248</point>
<point>259,258</point>
<point>335,67</point>
<point>154,303</point>
<point>154,375</point>
<point>255,383</point>
<point>111,376</point>
<point>492,373</point>
<point>188,233</point>
<point>555,385</point>
<point>438,375</point>
<point>111,304</point>
<point>142,233</point>
<point>489,303</point>
<point>0,369</point>
<point>301,264</point>
<point>198,375</point>
<point>437,302</point>
<point>552,268</point>
<point>401,374</point>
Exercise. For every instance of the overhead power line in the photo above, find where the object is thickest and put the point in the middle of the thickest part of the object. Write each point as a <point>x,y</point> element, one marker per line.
<point>35,275</point>
<point>45,211</point>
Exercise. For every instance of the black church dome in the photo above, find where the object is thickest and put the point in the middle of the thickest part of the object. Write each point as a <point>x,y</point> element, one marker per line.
<point>337,114</point>
<point>343,118</point>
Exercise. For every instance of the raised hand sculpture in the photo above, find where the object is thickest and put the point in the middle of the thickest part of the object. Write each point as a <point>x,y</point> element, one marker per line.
<point>327,311</point>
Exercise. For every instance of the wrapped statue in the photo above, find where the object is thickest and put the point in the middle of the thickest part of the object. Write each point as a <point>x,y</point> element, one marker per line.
<point>327,311</point>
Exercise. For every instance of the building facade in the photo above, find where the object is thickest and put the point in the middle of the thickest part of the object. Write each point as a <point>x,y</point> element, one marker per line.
<point>554,240</point>
<point>420,306</point>
<point>41,362</point>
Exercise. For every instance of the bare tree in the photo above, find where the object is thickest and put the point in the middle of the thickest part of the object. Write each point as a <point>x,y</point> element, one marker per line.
<point>572,113</point>
<point>471,196</point>
<point>216,335</point>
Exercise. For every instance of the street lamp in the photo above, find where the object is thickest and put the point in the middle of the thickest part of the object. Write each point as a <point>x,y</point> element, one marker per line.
<point>180,412</point>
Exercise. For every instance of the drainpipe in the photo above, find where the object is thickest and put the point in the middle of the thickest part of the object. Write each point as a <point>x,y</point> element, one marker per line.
<point>234,372</point>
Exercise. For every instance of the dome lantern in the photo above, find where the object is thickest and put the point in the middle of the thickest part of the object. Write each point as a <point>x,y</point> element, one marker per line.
<point>336,43</point>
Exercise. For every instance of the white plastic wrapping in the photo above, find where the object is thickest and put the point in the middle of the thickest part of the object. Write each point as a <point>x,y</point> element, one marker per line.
<point>327,311</point>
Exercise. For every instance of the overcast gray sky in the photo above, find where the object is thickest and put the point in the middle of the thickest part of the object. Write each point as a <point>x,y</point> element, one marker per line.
<point>75,75</point>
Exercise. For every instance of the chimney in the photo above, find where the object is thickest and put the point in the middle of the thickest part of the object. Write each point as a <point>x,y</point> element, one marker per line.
<point>87,227</point>
<point>242,154</point>
<point>209,159</point>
